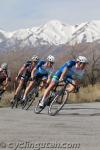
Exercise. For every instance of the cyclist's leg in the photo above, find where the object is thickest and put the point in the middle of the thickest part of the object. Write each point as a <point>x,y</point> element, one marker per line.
<point>43,84</point>
<point>71,84</point>
<point>29,87</point>
<point>70,88</point>
<point>47,92</point>
<point>31,84</point>
<point>20,85</point>
<point>52,84</point>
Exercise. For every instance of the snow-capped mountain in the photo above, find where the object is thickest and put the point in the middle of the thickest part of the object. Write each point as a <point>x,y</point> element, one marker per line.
<point>86,32</point>
<point>52,33</point>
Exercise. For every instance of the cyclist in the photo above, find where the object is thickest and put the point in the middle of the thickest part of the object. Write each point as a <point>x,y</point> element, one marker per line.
<point>72,70</point>
<point>24,73</point>
<point>4,78</point>
<point>43,70</point>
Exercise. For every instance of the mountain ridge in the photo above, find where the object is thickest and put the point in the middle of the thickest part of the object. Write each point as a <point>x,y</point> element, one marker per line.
<point>52,33</point>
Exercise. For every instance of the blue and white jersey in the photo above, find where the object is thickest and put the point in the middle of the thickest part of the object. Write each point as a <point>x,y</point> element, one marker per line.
<point>43,69</point>
<point>68,64</point>
<point>73,71</point>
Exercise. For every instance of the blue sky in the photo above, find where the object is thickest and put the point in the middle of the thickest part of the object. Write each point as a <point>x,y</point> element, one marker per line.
<point>17,14</point>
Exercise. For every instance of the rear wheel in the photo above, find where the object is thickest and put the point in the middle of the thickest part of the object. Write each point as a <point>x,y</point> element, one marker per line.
<point>58,102</point>
<point>14,103</point>
<point>17,100</point>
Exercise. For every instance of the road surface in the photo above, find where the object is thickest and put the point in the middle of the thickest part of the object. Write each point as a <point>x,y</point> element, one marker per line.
<point>76,127</point>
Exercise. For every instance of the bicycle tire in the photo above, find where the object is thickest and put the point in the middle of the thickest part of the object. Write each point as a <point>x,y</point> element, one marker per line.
<point>29,104</point>
<point>15,103</point>
<point>17,100</point>
<point>37,108</point>
<point>30,99</point>
<point>32,94</point>
<point>55,106</point>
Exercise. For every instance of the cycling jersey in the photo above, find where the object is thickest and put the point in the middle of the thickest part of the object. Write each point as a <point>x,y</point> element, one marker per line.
<point>27,71</point>
<point>3,75</point>
<point>73,72</point>
<point>42,69</point>
<point>28,67</point>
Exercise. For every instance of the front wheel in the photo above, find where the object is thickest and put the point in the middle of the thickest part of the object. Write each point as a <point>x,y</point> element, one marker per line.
<point>30,101</point>
<point>37,108</point>
<point>58,102</point>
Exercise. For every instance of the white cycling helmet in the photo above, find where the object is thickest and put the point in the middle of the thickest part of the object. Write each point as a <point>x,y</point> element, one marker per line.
<point>4,66</point>
<point>51,58</point>
<point>82,59</point>
<point>35,58</point>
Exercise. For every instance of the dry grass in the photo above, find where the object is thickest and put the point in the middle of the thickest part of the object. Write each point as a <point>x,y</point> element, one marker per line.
<point>88,94</point>
<point>6,98</point>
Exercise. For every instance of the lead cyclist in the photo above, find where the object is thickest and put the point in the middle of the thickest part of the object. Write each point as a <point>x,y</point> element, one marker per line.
<point>73,70</point>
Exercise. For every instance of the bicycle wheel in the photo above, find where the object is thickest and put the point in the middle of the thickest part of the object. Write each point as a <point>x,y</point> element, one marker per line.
<point>17,100</point>
<point>12,103</point>
<point>30,98</point>
<point>37,108</point>
<point>47,102</point>
<point>32,95</point>
<point>58,102</point>
<point>15,103</point>
<point>30,102</point>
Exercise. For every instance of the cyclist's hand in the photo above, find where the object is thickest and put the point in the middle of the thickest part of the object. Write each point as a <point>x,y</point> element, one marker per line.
<point>61,80</point>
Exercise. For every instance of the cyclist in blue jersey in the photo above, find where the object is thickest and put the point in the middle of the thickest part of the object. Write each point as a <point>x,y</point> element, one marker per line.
<point>44,71</point>
<point>24,73</point>
<point>72,71</point>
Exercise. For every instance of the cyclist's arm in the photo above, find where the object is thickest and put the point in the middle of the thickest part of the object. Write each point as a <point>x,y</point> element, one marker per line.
<point>40,63</point>
<point>68,65</point>
<point>33,72</point>
<point>5,83</point>
<point>8,79</point>
<point>21,71</point>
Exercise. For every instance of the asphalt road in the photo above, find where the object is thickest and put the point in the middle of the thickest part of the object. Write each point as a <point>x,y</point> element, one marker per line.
<point>76,127</point>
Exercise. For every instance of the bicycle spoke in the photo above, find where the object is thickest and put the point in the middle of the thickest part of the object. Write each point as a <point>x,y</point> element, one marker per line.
<point>58,102</point>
